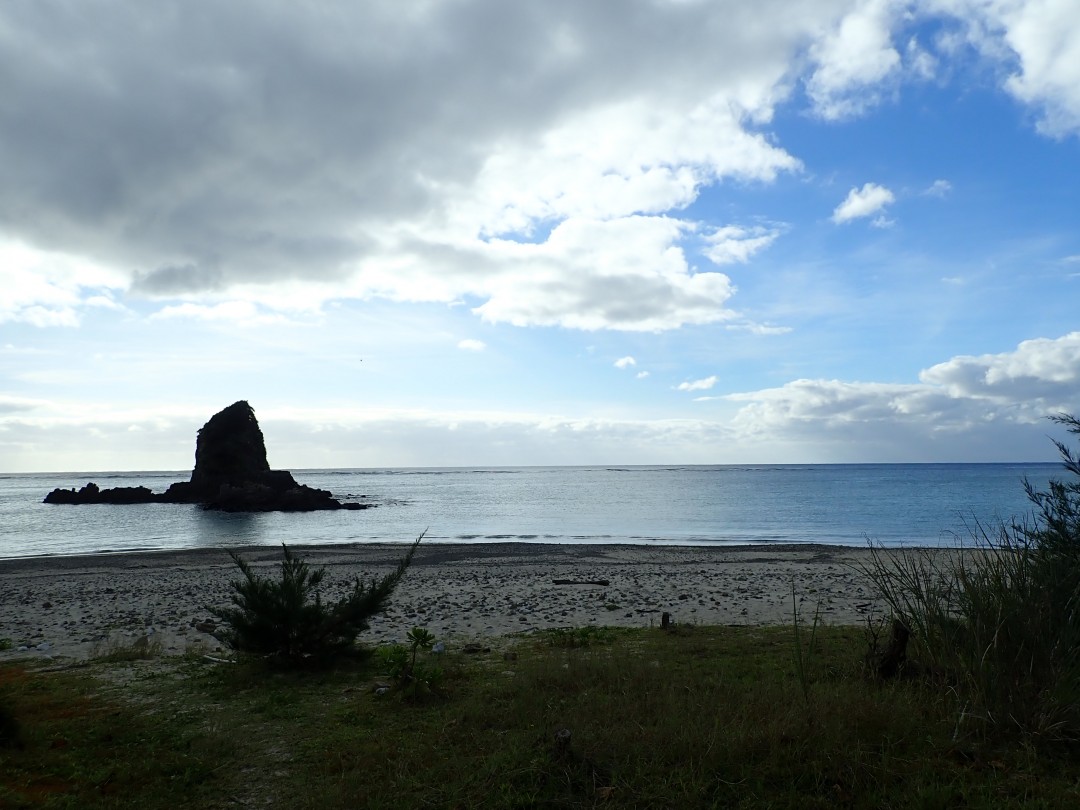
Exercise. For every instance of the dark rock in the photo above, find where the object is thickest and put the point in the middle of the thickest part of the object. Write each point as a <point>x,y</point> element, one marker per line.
<point>603,582</point>
<point>231,474</point>
<point>91,493</point>
<point>229,448</point>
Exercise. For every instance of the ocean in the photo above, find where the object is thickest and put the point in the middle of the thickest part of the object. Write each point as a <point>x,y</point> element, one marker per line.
<point>843,504</point>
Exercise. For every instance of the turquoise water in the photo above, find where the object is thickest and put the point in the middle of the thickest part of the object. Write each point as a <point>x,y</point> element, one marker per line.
<point>894,504</point>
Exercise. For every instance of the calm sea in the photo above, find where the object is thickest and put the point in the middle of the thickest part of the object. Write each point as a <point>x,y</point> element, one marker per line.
<point>894,504</point>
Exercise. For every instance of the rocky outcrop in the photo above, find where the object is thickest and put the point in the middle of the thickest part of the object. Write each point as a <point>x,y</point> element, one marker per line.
<point>91,493</point>
<point>231,474</point>
<point>230,448</point>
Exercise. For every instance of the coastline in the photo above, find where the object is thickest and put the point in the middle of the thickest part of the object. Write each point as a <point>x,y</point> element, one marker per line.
<point>76,606</point>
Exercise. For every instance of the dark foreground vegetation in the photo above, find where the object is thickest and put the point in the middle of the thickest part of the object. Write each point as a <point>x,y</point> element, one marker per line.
<point>999,625</point>
<point>694,717</point>
<point>979,706</point>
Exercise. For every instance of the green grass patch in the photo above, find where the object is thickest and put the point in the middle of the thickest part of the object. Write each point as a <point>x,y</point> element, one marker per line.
<point>695,717</point>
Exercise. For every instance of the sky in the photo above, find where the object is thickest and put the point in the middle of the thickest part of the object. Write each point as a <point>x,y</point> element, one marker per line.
<point>479,232</point>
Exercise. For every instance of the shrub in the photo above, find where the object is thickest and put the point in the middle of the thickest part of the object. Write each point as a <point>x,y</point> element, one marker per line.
<point>287,620</point>
<point>998,622</point>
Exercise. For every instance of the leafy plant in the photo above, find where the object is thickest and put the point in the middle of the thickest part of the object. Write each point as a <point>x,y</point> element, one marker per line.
<point>419,639</point>
<point>287,620</point>
<point>999,623</point>
<point>394,660</point>
<point>400,663</point>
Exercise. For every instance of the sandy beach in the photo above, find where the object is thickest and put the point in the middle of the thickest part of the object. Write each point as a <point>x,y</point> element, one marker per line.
<point>72,607</point>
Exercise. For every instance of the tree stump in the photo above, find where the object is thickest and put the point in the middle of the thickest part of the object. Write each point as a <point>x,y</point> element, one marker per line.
<point>895,654</point>
<point>562,743</point>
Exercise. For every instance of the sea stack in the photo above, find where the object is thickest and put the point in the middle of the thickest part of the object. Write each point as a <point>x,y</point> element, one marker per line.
<point>230,447</point>
<point>231,474</point>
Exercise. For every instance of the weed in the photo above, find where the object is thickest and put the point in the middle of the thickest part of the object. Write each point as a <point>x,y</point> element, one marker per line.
<point>802,658</point>
<point>414,677</point>
<point>115,651</point>
<point>578,636</point>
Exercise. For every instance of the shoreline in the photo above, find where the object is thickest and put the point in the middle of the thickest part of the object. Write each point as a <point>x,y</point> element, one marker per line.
<point>76,606</point>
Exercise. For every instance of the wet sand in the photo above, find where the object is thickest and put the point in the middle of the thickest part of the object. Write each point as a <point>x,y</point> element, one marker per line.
<point>73,607</point>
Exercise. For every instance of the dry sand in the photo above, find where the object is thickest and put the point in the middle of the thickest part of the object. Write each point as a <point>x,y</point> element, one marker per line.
<point>74,606</point>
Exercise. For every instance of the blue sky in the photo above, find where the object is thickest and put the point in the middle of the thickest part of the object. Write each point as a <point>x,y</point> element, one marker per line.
<point>480,233</point>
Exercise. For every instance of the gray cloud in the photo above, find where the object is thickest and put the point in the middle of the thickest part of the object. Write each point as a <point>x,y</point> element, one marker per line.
<point>199,147</point>
<point>177,280</point>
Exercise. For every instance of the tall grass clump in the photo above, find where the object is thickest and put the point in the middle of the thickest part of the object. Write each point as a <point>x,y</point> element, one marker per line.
<point>286,619</point>
<point>997,622</point>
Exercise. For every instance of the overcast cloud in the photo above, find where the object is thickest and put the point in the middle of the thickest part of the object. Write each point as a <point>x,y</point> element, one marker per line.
<point>598,169</point>
<point>191,148</point>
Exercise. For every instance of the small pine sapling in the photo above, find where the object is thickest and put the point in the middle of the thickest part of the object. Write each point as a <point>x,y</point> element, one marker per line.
<point>286,618</point>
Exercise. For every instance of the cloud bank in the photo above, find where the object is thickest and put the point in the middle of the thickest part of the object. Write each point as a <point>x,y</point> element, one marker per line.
<point>989,407</point>
<point>978,398</point>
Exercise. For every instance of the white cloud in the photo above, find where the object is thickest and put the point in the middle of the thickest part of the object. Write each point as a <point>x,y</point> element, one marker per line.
<point>939,188</point>
<point>733,243</point>
<point>862,202</point>
<point>853,59</point>
<point>472,345</point>
<point>625,362</point>
<point>234,313</point>
<point>698,385</point>
<point>920,62</point>
<point>1043,371</point>
<point>627,273</point>
<point>985,398</point>
<point>50,288</point>
<point>641,375</point>
<point>759,328</point>
<point>1045,34</point>
<point>1038,42</point>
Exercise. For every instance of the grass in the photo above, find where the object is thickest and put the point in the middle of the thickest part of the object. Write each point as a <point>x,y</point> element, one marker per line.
<point>999,622</point>
<point>114,651</point>
<point>695,717</point>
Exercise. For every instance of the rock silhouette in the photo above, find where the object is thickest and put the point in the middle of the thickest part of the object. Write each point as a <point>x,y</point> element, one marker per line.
<point>231,474</point>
